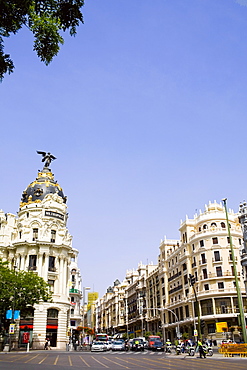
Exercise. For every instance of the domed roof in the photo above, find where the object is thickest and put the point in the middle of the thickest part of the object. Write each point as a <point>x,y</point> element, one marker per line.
<point>43,185</point>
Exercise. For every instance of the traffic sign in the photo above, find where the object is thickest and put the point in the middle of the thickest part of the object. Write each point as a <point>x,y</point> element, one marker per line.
<point>195,333</point>
<point>12,329</point>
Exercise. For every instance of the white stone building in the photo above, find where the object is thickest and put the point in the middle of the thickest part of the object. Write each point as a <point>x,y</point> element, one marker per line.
<point>37,239</point>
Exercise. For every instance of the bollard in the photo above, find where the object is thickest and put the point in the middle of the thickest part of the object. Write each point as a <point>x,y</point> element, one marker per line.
<point>28,347</point>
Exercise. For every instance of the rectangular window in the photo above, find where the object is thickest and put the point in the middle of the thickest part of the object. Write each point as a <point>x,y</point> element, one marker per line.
<point>201,243</point>
<point>218,271</point>
<point>51,285</point>
<point>211,328</point>
<point>206,286</point>
<point>35,234</point>
<point>186,279</point>
<point>215,240</point>
<point>216,255</point>
<point>51,264</point>
<point>221,285</point>
<point>187,314</point>
<point>203,257</point>
<point>73,278</point>
<point>205,273</point>
<point>32,262</point>
<point>53,236</point>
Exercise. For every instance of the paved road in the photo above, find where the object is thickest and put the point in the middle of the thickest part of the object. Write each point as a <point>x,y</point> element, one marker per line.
<point>115,361</point>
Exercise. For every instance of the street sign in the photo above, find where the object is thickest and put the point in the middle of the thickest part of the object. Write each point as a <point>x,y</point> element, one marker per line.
<point>12,329</point>
<point>195,333</point>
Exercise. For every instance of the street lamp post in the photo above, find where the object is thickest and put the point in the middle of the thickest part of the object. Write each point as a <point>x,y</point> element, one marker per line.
<point>162,309</point>
<point>240,301</point>
<point>126,315</point>
<point>83,311</point>
<point>192,281</point>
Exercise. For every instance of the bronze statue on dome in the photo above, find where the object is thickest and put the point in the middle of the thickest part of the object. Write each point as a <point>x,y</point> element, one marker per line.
<point>47,158</point>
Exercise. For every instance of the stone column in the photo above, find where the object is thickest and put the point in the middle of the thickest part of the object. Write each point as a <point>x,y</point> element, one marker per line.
<point>62,328</point>
<point>213,302</point>
<point>39,326</point>
<point>40,264</point>
<point>65,268</point>
<point>61,271</point>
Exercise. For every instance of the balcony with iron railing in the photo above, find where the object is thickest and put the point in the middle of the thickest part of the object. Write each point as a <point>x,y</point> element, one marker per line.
<point>177,288</point>
<point>32,268</point>
<point>211,275</point>
<point>52,269</point>
<point>75,291</point>
<point>174,276</point>
<point>217,259</point>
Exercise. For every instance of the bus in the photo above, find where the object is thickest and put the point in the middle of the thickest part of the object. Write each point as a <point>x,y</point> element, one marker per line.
<point>102,337</point>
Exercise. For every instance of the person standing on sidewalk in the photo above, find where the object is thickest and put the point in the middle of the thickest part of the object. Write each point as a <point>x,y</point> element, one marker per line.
<point>201,350</point>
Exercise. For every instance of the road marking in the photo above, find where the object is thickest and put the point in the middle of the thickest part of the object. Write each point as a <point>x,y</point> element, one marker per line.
<point>55,362</point>
<point>19,357</point>
<point>31,358</point>
<point>116,363</point>
<point>132,363</point>
<point>101,363</point>
<point>43,360</point>
<point>70,362</point>
<point>84,361</point>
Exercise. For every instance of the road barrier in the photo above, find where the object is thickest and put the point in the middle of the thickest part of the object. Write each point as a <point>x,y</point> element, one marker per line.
<point>231,349</point>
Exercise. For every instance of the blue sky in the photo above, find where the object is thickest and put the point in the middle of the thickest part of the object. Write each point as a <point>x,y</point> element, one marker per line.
<point>145,110</point>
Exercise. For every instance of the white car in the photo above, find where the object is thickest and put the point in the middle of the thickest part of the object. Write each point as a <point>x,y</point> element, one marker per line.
<point>98,347</point>
<point>118,345</point>
<point>108,345</point>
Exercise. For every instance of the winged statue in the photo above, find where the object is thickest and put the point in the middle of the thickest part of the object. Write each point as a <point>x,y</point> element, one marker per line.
<point>47,158</point>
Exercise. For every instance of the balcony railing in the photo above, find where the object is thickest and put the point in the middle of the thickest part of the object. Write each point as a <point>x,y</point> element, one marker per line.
<point>76,291</point>
<point>32,268</point>
<point>179,287</point>
<point>211,275</point>
<point>52,269</point>
<point>174,276</point>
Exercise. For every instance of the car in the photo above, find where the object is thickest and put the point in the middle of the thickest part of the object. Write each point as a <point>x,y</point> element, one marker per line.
<point>108,345</point>
<point>158,346</point>
<point>98,347</point>
<point>118,345</point>
<point>137,344</point>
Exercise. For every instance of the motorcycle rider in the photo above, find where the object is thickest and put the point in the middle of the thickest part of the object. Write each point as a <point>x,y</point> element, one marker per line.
<point>168,346</point>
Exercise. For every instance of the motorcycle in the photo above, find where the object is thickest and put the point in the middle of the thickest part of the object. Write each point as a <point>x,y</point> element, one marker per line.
<point>208,350</point>
<point>168,348</point>
<point>191,351</point>
<point>178,349</point>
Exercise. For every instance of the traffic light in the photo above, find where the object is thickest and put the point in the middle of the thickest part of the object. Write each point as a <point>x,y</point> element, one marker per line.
<point>202,324</point>
<point>192,280</point>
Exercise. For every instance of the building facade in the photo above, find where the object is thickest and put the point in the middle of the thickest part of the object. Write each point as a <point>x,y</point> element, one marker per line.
<point>163,299</point>
<point>38,240</point>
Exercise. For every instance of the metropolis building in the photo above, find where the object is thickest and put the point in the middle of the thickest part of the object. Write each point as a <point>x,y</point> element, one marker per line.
<point>38,240</point>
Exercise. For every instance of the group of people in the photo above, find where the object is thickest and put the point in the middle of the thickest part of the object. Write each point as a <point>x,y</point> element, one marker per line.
<point>200,346</point>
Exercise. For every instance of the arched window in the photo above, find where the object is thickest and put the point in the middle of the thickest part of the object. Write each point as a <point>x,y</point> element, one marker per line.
<point>52,313</point>
<point>205,227</point>
<point>213,224</point>
<point>223,225</point>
